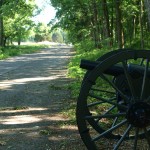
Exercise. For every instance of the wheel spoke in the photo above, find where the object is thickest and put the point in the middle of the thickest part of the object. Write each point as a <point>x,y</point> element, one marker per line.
<point>141,63</point>
<point>108,101</point>
<point>106,116</point>
<point>136,138</point>
<point>105,91</point>
<point>114,122</point>
<point>110,109</point>
<point>114,86</point>
<point>123,137</point>
<point>110,130</point>
<point>144,79</point>
<point>95,103</point>
<point>128,77</point>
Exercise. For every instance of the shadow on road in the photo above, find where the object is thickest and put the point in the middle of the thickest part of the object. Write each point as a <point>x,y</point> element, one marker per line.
<point>30,103</point>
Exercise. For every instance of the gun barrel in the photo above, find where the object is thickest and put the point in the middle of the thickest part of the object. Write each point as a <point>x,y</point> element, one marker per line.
<point>115,70</point>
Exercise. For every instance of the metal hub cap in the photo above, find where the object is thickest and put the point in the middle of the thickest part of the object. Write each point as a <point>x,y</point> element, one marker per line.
<point>139,114</point>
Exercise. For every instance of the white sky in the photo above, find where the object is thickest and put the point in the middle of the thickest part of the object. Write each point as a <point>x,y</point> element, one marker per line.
<point>46,14</point>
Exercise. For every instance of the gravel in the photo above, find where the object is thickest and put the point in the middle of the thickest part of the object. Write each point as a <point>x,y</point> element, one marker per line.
<point>30,111</point>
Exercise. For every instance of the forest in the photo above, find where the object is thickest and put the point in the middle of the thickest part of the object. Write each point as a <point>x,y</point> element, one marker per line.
<point>104,23</point>
<point>88,23</point>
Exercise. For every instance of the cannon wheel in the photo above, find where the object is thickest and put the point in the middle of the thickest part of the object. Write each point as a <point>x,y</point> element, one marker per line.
<point>105,123</point>
<point>92,122</point>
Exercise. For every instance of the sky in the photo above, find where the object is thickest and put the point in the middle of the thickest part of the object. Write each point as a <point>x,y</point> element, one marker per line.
<point>46,14</point>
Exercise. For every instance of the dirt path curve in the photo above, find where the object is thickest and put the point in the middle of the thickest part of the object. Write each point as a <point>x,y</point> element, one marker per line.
<point>29,105</point>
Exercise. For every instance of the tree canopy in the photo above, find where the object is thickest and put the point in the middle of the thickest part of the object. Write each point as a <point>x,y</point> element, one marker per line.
<point>105,22</point>
<point>15,19</point>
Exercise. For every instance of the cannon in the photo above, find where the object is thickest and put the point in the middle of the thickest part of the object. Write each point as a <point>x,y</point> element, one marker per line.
<point>113,107</point>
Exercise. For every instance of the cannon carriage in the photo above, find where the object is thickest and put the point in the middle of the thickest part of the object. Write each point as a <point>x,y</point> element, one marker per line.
<point>113,107</point>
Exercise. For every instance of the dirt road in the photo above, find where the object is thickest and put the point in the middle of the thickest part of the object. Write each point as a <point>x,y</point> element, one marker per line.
<point>30,106</point>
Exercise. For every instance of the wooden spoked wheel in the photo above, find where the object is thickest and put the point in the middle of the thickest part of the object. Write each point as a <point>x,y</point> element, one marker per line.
<point>113,109</point>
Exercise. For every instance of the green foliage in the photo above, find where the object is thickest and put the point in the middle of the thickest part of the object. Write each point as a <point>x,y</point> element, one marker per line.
<point>38,38</point>
<point>74,69</point>
<point>16,24</point>
<point>72,17</point>
<point>42,32</point>
<point>84,46</point>
<point>97,21</point>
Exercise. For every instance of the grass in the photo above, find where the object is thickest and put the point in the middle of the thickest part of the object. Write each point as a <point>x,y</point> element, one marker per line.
<point>20,108</point>
<point>75,72</point>
<point>10,51</point>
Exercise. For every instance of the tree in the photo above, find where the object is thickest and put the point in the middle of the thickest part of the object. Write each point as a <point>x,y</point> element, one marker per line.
<point>17,28</point>
<point>74,18</point>
<point>1,25</point>
<point>147,5</point>
<point>42,32</point>
<point>106,20</point>
<point>119,31</point>
<point>14,22</point>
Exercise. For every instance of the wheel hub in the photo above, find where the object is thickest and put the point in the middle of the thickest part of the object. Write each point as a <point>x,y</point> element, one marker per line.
<point>139,114</point>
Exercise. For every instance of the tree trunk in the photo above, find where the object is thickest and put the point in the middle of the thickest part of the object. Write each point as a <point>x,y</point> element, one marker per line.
<point>112,24</point>
<point>147,5</point>
<point>106,21</point>
<point>120,38</point>
<point>96,25</point>
<point>1,26</point>
<point>19,38</point>
<point>5,40</point>
<point>141,24</point>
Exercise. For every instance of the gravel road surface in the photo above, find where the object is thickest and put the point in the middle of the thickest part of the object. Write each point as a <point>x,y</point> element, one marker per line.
<point>29,104</point>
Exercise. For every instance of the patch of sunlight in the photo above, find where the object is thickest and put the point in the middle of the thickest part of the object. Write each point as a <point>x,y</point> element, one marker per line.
<point>69,127</point>
<point>9,83</point>
<point>15,118</point>
<point>20,119</point>
<point>28,109</point>
<point>58,117</point>
<point>25,119</point>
